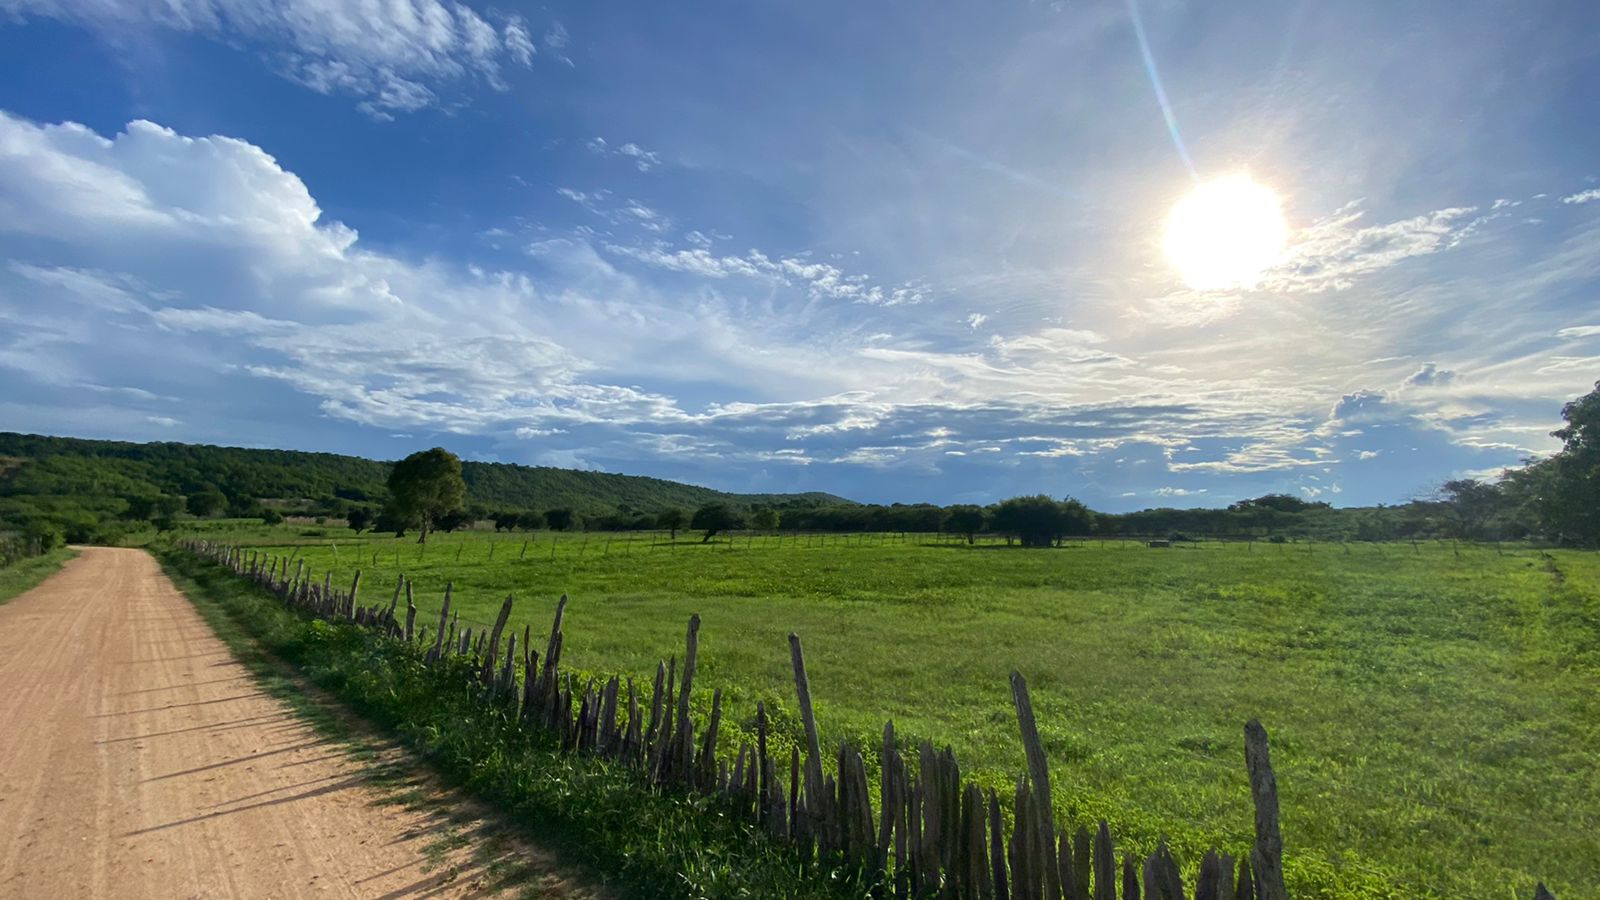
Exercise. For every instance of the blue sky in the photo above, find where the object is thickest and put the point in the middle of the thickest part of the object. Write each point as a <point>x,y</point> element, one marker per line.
<point>897,251</point>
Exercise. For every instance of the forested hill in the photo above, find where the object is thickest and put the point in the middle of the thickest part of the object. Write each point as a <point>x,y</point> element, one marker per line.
<point>104,473</point>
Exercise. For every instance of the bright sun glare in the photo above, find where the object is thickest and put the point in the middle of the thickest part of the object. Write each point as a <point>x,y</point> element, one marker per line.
<point>1226,233</point>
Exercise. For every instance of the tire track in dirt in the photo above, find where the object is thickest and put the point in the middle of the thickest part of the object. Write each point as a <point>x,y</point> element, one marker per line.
<point>138,759</point>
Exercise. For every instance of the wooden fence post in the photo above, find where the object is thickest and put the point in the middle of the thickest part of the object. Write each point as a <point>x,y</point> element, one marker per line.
<point>1266,857</point>
<point>682,745</point>
<point>355,588</point>
<point>1039,774</point>
<point>444,618</point>
<point>813,760</point>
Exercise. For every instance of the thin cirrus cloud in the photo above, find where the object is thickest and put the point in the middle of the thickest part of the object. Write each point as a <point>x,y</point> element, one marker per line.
<point>392,58</point>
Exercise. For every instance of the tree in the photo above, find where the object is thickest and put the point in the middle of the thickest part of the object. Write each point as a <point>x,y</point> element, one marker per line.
<point>44,536</point>
<point>532,520</point>
<point>453,520</point>
<point>506,521</point>
<point>672,519</point>
<point>392,520</point>
<point>560,519</point>
<point>359,518</point>
<point>764,519</point>
<point>715,517</point>
<point>426,486</point>
<point>1468,505</point>
<point>1267,511</point>
<point>140,507</point>
<point>965,519</point>
<point>271,516</point>
<point>1573,504</point>
<point>169,505</point>
<point>207,502</point>
<point>1038,521</point>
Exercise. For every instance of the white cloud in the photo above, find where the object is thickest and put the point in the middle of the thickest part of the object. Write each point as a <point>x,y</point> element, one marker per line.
<point>1430,375</point>
<point>518,42</point>
<point>556,37</point>
<point>393,57</point>
<point>976,320</point>
<point>1363,407</point>
<point>1579,331</point>
<point>1333,253</point>
<point>211,271</point>
<point>642,159</point>
<point>1588,196</point>
<point>820,280</point>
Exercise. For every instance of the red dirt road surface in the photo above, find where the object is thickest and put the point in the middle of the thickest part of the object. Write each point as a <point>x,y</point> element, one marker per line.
<point>138,759</point>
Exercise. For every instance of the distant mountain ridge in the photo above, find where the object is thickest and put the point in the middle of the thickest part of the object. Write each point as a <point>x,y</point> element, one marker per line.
<point>41,465</point>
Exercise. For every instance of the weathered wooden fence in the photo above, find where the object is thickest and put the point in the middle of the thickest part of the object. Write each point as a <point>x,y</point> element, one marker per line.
<point>932,835</point>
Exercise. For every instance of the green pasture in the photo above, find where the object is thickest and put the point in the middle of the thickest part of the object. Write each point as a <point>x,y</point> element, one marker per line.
<point>25,574</point>
<point>1434,709</point>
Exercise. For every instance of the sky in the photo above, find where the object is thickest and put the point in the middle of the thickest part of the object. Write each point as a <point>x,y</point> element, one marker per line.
<point>896,251</point>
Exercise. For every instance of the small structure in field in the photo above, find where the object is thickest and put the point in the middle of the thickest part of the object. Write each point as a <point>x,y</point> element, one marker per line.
<point>1158,544</point>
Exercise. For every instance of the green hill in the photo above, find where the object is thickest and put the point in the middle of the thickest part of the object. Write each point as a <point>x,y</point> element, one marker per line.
<point>73,479</point>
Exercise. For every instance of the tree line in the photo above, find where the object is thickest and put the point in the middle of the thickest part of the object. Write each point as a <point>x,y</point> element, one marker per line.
<point>62,489</point>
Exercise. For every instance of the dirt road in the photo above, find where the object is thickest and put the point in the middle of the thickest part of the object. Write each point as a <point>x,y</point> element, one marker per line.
<point>139,760</point>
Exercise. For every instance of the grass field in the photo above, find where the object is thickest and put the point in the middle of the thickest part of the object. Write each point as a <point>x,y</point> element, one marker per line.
<point>21,576</point>
<point>1435,711</point>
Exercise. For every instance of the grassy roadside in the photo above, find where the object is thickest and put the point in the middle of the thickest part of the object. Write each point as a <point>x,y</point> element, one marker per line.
<point>23,576</point>
<point>638,841</point>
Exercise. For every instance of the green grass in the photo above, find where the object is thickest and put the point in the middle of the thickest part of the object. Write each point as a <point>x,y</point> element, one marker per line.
<point>22,576</point>
<point>639,841</point>
<point>1434,710</point>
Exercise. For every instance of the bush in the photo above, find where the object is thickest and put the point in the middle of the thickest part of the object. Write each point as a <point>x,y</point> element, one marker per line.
<point>43,535</point>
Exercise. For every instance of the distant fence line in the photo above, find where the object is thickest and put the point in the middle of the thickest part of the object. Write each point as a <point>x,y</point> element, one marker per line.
<point>933,834</point>
<point>607,543</point>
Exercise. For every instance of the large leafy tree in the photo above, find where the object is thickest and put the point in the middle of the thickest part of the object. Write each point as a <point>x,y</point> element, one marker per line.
<point>1559,496</point>
<point>1468,505</point>
<point>1573,482</point>
<point>207,502</point>
<point>1038,521</point>
<point>672,519</point>
<point>715,517</point>
<point>425,487</point>
<point>965,519</point>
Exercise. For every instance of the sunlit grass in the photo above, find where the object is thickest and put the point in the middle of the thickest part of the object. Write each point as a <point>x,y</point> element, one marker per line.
<point>24,575</point>
<point>1434,710</point>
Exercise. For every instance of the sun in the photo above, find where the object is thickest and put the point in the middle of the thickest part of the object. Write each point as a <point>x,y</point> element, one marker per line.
<point>1226,233</point>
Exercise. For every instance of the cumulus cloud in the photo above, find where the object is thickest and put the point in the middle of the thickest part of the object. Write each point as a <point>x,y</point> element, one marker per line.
<point>392,57</point>
<point>1363,407</point>
<point>1430,375</point>
<point>1588,196</point>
